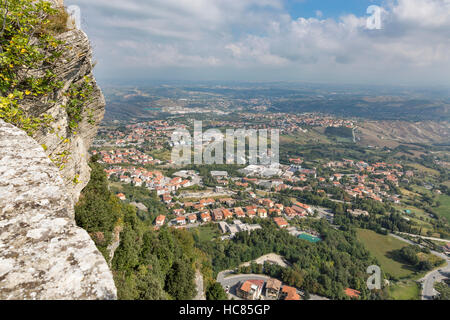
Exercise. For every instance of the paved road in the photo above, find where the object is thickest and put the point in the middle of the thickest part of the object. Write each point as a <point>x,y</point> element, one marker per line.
<point>233,281</point>
<point>324,213</point>
<point>423,237</point>
<point>428,281</point>
<point>428,291</point>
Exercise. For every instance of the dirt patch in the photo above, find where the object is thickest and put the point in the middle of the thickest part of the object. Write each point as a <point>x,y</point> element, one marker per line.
<point>272,258</point>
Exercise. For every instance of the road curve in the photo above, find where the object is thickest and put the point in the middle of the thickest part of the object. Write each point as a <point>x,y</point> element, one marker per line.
<point>428,281</point>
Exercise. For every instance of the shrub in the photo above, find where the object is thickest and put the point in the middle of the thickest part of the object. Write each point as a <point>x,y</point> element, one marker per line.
<point>27,44</point>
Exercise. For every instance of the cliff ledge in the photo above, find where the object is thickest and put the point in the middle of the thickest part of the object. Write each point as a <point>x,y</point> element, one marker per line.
<point>43,254</point>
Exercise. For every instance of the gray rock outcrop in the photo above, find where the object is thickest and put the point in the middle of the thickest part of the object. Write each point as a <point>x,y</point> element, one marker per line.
<point>43,254</point>
<point>71,69</point>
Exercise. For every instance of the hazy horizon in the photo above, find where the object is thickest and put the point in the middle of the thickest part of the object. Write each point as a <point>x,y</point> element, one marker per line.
<point>319,41</point>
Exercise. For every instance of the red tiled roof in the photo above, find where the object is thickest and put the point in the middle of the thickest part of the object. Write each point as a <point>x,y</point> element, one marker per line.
<point>352,293</point>
<point>247,285</point>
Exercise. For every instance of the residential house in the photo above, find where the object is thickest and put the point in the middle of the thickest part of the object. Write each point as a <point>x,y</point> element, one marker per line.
<point>228,201</point>
<point>166,198</point>
<point>219,174</point>
<point>273,287</point>
<point>179,212</point>
<point>281,222</point>
<point>207,202</point>
<point>180,221</point>
<point>290,213</point>
<point>250,289</point>
<point>137,182</point>
<point>251,211</point>
<point>262,213</point>
<point>217,214</point>
<point>299,211</point>
<point>275,212</point>
<point>192,218</point>
<point>304,206</point>
<point>205,216</point>
<point>188,205</point>
<point>199,206</point>
<point>289,293</point>
<point>227,214</point>
<point>160,220</point>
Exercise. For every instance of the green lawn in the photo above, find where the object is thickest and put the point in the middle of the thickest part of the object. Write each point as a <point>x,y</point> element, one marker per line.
<point>444,209</point>
<point>305,138</point>
<point>116,185</point>
<point>421,190</point>
<point>163,154</point>
<point>380,246</point>
<point>405,290</point>
<point>206,232</point>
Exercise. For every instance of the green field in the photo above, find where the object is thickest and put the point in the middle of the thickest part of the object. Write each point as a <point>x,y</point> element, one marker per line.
<point>163,154</point>
<point>305,138</point>
<point>404,290</point>
<point>424,169</point>
<point>206,232</point>
<point>444,209</point>
<point>380,246</point>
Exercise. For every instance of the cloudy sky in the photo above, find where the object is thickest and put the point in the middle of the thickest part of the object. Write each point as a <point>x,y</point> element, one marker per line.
<point>269,40</point>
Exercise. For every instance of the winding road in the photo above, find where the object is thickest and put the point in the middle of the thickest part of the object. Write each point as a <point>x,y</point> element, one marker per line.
<point>423,237</point>
<point>428,281</point>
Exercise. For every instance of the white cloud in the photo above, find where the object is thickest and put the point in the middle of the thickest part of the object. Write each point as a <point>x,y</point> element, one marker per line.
<point>247,34</point>
<point>423,13</point>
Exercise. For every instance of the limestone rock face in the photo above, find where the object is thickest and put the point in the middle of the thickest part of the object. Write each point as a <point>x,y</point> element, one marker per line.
<point>72,68</point>
<point>43,254</point>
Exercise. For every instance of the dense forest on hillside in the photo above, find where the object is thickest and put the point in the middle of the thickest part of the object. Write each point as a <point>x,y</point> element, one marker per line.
<point>325,268</point>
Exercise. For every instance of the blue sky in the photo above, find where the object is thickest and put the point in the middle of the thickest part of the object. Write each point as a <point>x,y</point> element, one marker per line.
<point>329,8</point>
<point>324,41</point>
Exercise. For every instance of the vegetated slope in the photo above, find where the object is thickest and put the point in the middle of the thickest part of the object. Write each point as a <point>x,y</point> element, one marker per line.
<point>147,264</point>
<point>391,133</point>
